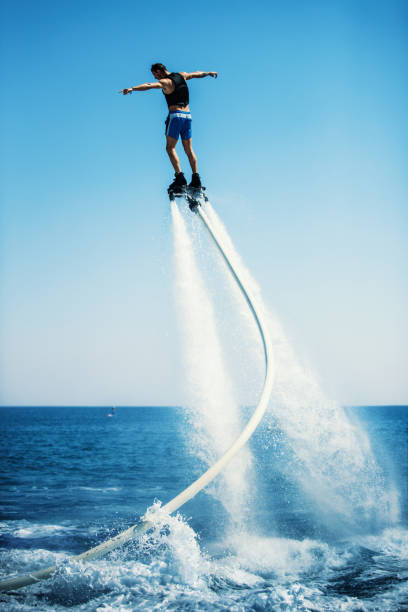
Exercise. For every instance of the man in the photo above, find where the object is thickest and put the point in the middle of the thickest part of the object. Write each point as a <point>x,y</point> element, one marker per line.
<point>178,122</point>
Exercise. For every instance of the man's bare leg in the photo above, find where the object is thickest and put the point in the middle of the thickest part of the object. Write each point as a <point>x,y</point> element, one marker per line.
<point>188,148</point>
<point>171,152</point>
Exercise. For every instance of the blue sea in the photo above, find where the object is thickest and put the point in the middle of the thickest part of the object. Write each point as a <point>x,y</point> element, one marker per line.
<point>73,477</point>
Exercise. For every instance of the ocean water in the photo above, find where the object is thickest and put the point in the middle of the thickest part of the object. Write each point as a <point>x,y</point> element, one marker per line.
<point>72,477</point>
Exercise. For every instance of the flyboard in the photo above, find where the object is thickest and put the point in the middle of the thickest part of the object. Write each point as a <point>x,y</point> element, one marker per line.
<point>195,198</point>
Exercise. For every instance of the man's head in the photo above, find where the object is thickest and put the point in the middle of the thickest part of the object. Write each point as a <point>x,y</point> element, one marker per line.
<point>159,71</point>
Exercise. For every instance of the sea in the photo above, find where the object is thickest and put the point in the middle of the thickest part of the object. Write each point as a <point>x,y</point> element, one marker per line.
<point>72,477</point>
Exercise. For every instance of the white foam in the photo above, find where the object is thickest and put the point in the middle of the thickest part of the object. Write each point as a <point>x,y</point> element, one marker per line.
<point>392,542</point>
<point>25,529</point>
<point>167,570</point>
<point>100,489</point>
<point>187,559</point>
<point>18,561</point>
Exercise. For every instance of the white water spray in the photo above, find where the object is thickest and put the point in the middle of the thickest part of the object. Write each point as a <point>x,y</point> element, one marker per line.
<point>213,409</point>
<point>331,458</point>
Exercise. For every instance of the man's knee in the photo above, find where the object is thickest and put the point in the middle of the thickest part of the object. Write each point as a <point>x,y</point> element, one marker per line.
<point>170,144</point>
<point>188,147</point>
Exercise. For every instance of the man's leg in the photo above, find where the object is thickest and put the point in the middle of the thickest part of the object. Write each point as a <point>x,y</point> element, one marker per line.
<point>188,148</point>
<point>171,151</point>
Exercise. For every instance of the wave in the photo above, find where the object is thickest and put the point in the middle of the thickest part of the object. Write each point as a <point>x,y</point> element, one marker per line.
<point>168,569</point>
<point>25,529</point>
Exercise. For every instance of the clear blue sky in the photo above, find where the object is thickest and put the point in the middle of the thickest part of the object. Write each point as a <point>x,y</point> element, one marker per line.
<point>302,142</point>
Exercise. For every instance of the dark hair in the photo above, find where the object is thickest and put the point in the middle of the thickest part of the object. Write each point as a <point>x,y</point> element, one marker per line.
<point>158,68</point>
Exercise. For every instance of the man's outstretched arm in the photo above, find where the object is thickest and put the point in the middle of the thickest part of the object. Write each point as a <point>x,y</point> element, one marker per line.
<point>198,75</point>
<point>142,87</point>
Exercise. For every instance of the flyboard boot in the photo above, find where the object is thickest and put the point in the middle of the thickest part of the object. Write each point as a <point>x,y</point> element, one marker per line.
<point>178,186</point>
<point>195,192</point>
<point>195,182</point>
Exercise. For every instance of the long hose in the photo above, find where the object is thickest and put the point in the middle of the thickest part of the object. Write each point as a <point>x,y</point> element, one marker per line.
<point>211,473</point>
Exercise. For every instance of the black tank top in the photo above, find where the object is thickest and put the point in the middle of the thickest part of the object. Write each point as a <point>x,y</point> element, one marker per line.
<point>180,95</point>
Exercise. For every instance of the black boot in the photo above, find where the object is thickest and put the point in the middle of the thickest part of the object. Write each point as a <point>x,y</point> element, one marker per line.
<point>195,181</point>
<point>178,183</point>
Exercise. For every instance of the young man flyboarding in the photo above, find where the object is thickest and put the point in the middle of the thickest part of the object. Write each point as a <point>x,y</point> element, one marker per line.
<point>178,122</point>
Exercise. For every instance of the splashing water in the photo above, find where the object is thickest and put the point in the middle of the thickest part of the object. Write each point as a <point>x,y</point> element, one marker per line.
<point>328,456</point>
<point>213,409</point>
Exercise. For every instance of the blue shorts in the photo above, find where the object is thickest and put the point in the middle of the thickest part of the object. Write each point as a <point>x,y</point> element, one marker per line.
<point>178,123</point>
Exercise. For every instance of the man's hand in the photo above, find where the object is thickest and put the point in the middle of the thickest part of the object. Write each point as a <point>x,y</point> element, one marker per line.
<point>126,91</point>
<point>213,74</point>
